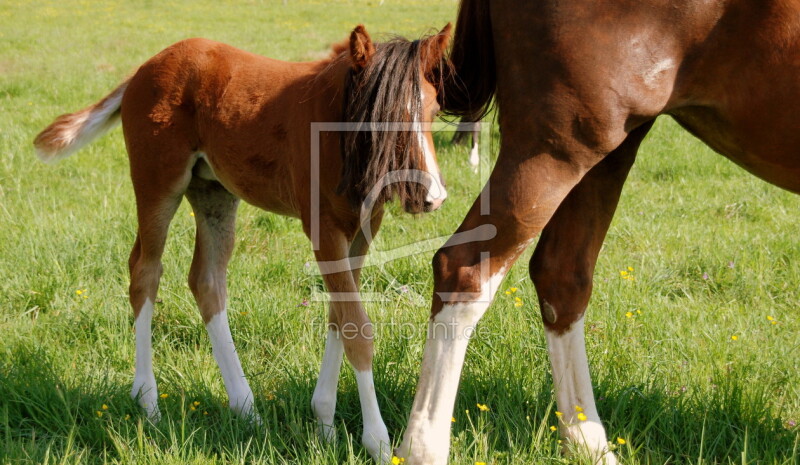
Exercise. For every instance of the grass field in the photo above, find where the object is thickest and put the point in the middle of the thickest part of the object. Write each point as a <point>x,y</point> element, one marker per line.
<point>708,370</point>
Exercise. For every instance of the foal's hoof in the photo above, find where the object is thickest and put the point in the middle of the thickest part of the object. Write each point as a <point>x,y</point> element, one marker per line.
<point>378,445</point>
<point>244,409</point>
<point>326,433</point>
<point>147,398</point>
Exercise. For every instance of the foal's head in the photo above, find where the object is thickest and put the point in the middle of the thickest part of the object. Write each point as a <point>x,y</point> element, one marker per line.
<point>391,96</point>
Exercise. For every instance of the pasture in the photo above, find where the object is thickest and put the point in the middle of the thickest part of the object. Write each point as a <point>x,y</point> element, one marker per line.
<point>692,330</point>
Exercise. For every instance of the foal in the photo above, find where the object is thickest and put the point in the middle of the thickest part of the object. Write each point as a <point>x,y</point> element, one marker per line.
<point>216,124</point>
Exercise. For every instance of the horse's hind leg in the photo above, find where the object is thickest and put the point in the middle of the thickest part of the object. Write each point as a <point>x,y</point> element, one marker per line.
<point>155,209</point>
<point>562,268</point>
<point>215,214</point>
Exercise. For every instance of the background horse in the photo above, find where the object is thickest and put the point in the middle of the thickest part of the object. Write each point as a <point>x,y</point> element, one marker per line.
<point>469,126</point>
<point>216,124</point>
<point>578,85</point>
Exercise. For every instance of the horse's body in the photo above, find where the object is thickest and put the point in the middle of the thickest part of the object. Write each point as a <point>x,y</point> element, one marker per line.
<point>216,124</point>
<point>578,85</point>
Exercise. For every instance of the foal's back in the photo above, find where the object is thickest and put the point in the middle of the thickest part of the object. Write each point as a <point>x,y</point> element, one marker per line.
<point>234,116</point>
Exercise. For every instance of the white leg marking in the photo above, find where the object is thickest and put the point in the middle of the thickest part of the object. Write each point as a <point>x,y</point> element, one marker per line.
<point>376,436</point>
<point>474,156</point>
<point>427,438</point>
<point>323,402</point>
<point>239,392</point>
<point>144,389</point>
<point>574,394</point>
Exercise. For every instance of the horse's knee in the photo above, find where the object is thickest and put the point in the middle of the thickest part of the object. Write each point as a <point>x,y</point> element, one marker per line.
<point>563,294</point>
<point>144,282</point>
<point>202,284</point>
<point>358,345</point>
<point>454,271</point>
<point>353,326</point>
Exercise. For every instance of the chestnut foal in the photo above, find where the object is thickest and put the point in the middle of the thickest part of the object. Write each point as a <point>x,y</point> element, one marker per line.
<point>216,124</point>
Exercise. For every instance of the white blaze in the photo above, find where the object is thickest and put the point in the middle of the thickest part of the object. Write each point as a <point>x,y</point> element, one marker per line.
<point>436,191</point>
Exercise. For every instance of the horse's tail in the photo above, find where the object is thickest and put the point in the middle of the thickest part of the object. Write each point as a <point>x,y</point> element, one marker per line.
<point>68,133</point>
<point>470,87</point>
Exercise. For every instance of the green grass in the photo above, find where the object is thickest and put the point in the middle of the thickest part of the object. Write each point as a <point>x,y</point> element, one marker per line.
<point>670,380</point>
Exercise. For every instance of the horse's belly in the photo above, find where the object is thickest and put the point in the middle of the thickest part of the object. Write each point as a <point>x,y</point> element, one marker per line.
<point>773,154</point>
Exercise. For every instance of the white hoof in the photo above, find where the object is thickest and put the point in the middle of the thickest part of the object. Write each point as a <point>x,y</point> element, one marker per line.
<point>326,432</point>
<point>145,393</point>
<point>244,408</point>
<point>378,444</point>
<point>423,454</point>
<point>588,439</point>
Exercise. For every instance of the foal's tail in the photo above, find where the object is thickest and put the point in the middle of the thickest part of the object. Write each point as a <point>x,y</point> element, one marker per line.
<point>468,92</point>
<point>70,132</point>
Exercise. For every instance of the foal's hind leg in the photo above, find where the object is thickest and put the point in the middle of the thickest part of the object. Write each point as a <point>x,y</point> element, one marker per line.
<point>155,211</point>
<point>562,268</point>
<point>350,332</point>
<point>215,214</point>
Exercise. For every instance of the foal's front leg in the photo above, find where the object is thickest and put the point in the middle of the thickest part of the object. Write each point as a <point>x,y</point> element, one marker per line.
<point>349,333</point>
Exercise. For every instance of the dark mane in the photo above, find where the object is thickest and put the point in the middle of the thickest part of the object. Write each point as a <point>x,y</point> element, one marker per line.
<point>381,93</point>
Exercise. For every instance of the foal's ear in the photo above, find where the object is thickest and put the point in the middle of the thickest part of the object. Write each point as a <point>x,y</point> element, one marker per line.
<point>433,49</point>
<point>361,47</point>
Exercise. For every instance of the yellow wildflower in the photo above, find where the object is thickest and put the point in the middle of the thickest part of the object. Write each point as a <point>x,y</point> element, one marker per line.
<point>196,403</point>
<point>99,414</point>
<point>127,417</point>
<point>621,441</point>
<point>483,407</point>
<point>638,312</point>
<point>578,408</point>
<point>164,396</point>
<point>104,407</point>
<point>734,338</point>
<point>628,314</point>
<point>511,290</point>
<point>553,428</point>
<point>452,419</point>
<point>559,414</point>
<point>397,460</point>
<point>480,463</point>
<point>582,417</point>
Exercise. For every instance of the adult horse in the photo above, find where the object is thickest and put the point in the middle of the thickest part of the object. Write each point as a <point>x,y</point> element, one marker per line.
<point>216,124</point>
<point>578,85</point>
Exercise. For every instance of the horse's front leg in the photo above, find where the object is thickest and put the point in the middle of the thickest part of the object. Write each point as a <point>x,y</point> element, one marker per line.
<point>349,333</point>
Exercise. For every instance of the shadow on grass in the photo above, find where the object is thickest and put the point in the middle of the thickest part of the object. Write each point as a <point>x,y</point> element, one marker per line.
<point>685,427</point>
<point>41,414</point>
<point>45,417</point>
